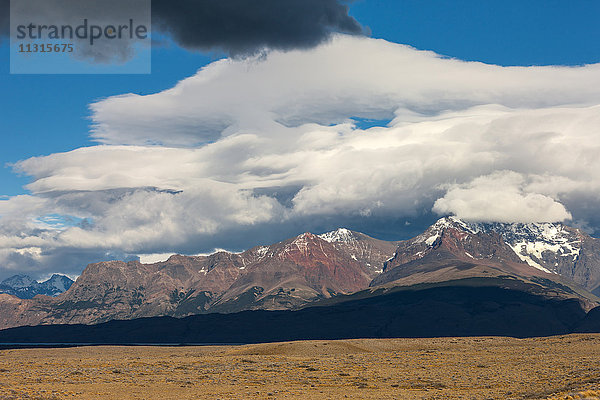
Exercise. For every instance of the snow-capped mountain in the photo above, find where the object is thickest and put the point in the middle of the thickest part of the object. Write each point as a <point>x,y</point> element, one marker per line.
<point>546,248</point>
<point>360,247</point>
<point>291,273</point>
<point>19,281</point>
<point>56,285</point>
<point>549,259</point>
<point>341,235</point>
<point>25,287</point>
<point>281,276</point>
<point>554,248</point>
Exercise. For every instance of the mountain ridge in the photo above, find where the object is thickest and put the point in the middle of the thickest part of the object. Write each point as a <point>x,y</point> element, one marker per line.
<point>25,287</point>
<point>284,275</point>
<point>310,268</point>
<point>467,308</point>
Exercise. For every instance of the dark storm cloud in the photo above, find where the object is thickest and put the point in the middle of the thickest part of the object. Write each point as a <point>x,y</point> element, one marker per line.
<point>242,27</point>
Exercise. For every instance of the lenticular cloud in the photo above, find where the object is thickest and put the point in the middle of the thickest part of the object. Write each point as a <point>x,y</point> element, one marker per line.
<point>347,77</point>
<point>248,151</point>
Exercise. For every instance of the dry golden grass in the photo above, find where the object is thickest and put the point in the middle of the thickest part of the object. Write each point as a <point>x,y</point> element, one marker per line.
<point>565,367</point>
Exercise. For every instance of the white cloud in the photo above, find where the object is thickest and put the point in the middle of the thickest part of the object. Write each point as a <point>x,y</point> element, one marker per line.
<point>483,142</point>
<point>154,258</point>
<point>350,76</point>
<point>499,197</point>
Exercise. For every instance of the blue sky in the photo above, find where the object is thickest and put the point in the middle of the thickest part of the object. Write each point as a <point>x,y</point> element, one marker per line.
<point>460,130</point>
<point>511,32</point>
<point>44,114</point>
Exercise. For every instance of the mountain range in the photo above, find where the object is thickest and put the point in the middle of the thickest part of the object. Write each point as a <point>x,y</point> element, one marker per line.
<point>550,262</point>
<point>550,254</point>
<point>25,287</point>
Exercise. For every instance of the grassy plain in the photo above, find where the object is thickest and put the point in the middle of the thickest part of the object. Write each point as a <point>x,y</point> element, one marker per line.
<point>563,367</point>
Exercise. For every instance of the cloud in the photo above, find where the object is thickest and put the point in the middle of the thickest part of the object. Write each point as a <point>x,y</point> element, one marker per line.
<point>237,27</point>
<point>347,77</point>
<point>480,141</point>
<point>241,27</point>
<point>499,197</point>
<point>247,189</point>
<point>102,14</point>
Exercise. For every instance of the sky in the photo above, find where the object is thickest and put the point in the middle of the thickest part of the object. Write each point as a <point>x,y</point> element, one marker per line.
<point>379,116</point>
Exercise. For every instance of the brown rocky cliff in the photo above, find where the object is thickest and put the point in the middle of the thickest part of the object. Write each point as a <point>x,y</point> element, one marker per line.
<point>284,275</point>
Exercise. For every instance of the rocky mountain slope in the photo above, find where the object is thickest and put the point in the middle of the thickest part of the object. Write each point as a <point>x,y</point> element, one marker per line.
<point>25,287</point>
<point>550,260</point>
<point>285,275</point>
<point>561,256</point>
<point>472,307</point>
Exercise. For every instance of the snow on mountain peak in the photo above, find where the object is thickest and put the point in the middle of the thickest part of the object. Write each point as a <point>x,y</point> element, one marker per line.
<point>342,235</point>
<point>435,231</point>
<point>532,242</point>
<point>452,222</point>
<point>25,287</point>
<point>303,239</point>
<point>262,251</point>
<point>19,281</point>
<point>59,283</point>
<point>548,231</point>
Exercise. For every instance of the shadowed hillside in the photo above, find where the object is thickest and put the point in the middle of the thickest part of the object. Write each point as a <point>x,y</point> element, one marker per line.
<point>466,308</point>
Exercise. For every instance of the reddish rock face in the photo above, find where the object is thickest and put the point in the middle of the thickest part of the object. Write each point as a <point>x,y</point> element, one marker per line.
<point>289,274</point>
<point>323,265</point>
<point>298,270</point>
<point>452,240</point>
<point>285,275</point>
<point>454,249</point>
<point>295,272</point>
